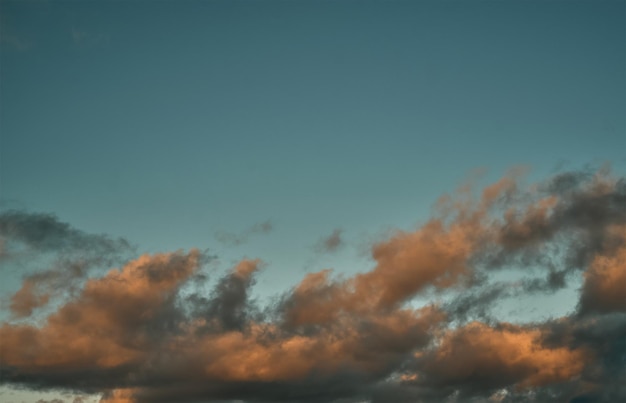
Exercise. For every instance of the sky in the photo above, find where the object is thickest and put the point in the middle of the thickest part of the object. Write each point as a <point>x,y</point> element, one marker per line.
<point>312,201</point>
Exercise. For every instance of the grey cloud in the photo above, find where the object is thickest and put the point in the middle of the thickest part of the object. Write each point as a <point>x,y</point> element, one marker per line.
<point>585,210</point>
<point>45,233</point>
<point>477,304</point>
<point>228,308</point>
<point>70,255</point>
<point>329,339</point>
<point>236,239</point>
<point>330,243</point>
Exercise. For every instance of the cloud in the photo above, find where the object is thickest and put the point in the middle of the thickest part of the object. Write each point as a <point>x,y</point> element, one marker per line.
<point>27,298</point>
<point>478,359</point>
<point>228,307</point>
<point>575,210</point>
<point>149,331</point>
<point>435,256</point>
<point>111,315</point>
<point>232,239</point>
<point>478,303</point>
<point>44,233</point>
<point>605,280</point>
<point>127,328</point>
<point>330,243</point>
<point>69,255</point>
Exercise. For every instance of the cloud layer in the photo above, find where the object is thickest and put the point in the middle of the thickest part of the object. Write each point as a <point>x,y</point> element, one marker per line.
<point>149,331</point>
<point>68,254</point>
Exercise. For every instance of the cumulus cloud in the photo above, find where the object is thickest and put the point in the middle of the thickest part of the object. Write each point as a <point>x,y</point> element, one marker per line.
<point>478,358</point>
<point>228,307</point>
<point>135,335</point>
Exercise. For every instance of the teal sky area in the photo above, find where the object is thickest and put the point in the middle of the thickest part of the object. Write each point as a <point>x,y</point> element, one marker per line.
<point>166,122</point>
<point>170,123</point>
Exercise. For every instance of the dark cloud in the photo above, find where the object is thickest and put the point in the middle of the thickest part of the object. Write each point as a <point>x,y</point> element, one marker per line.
<point>228,307</point>
<point>603,337</point>
<point>575,211</point>
<point>604,284</point>
<point>69,255</point>
<point>136,333</point>
<point>45,233</point>
<point>478,303</point>
<point>479,359</point>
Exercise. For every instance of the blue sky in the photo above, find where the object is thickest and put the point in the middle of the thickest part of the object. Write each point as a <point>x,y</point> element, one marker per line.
<point>165,123</point>
<point>168,123</point>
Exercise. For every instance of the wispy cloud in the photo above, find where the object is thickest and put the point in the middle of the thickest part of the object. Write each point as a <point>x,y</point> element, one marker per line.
<point>330,243</point>
<point>235,239</point>
<point>71,254</point>
<point>133,335</point>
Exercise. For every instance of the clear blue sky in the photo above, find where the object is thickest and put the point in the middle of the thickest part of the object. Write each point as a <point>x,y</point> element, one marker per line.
<point>169,122</point>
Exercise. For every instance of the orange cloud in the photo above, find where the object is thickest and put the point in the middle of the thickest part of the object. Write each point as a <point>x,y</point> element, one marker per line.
<point>264,353</point>
<point>134,337</point>
<point>245,268</point>
<point>119,396</point>
<point>478,355</point>
<point>107,325</point>
<point>27,298</point>
<point>604,289</point>
<point>436,255</point>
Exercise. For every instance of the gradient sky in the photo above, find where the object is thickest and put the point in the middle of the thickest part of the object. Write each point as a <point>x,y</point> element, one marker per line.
<point>257,128</point>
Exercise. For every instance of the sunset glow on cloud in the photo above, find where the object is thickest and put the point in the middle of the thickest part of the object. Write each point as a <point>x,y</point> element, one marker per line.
<point>235,201</point>
<point>147,332</point>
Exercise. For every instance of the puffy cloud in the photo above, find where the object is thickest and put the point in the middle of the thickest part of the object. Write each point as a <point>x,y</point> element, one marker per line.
<point>111,324</point>
<point>113,334</point>
<point>604,289</point>
<point>481,359</point>
<point>228,308</point>
<point>574,211</point>
<point>437,255</point>
<point>148,332</point>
